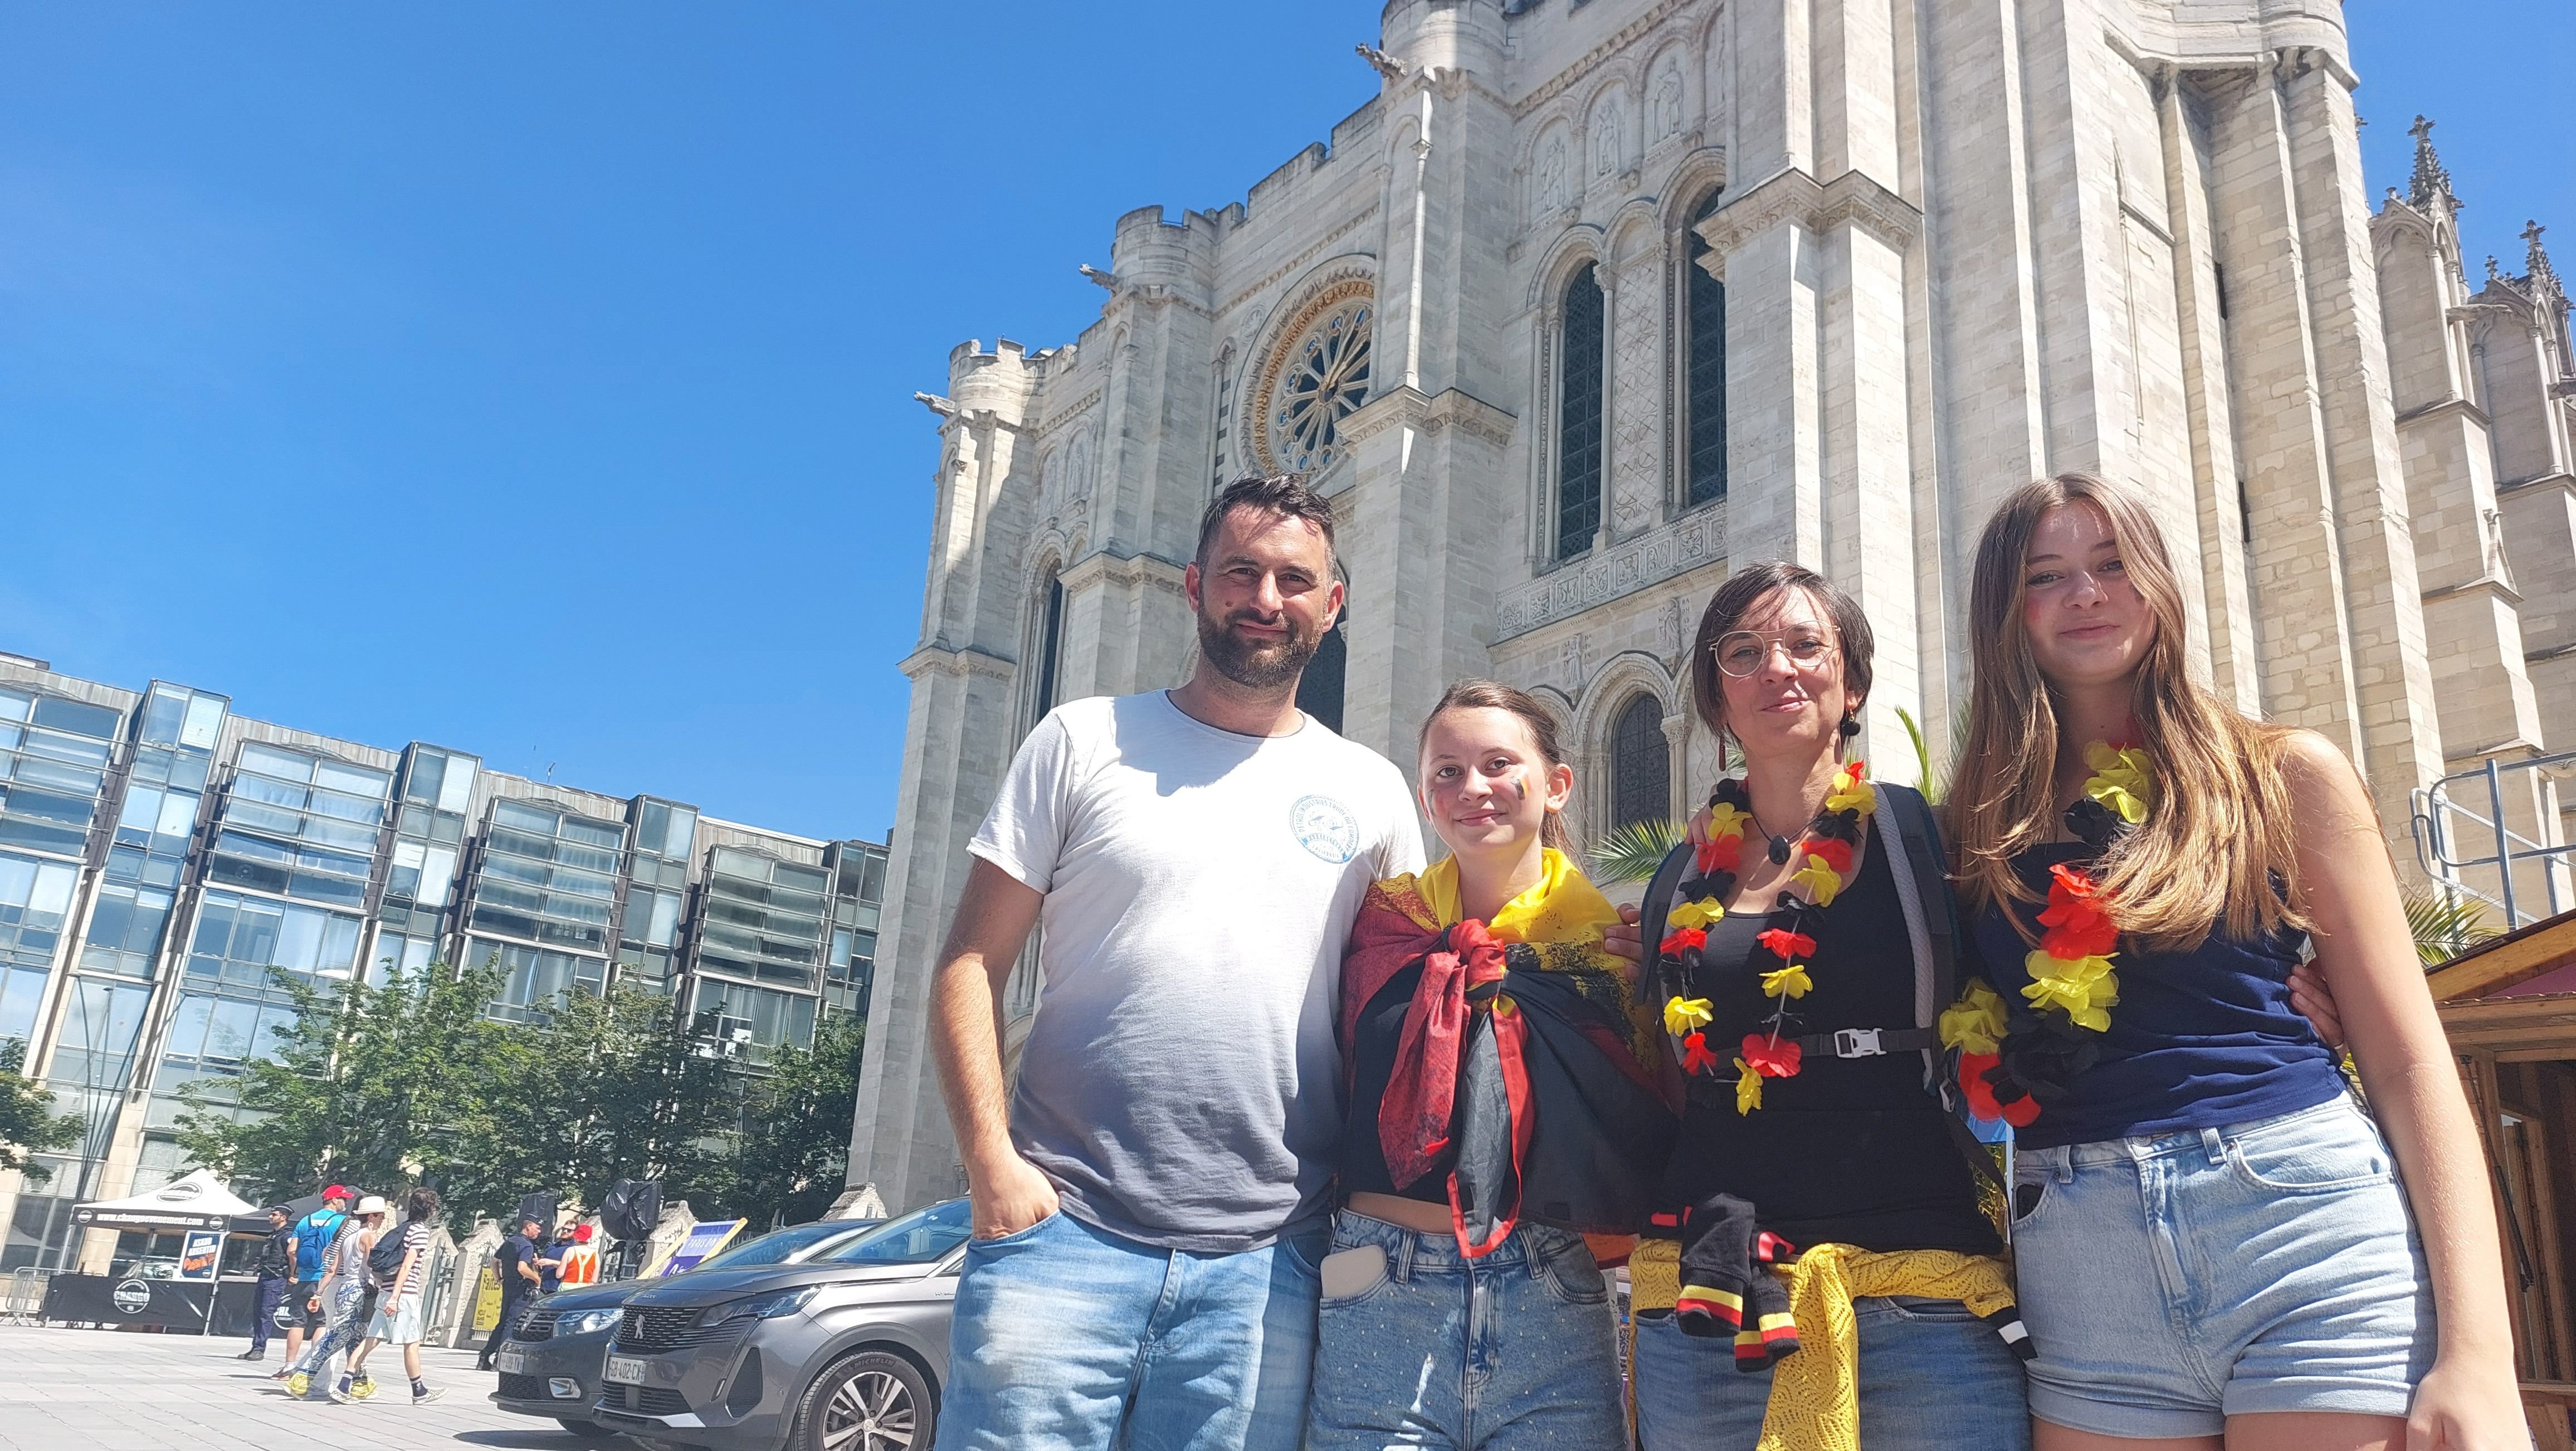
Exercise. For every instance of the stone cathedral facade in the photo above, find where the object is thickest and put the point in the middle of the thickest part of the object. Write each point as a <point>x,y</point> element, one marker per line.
<point>1597,299</point>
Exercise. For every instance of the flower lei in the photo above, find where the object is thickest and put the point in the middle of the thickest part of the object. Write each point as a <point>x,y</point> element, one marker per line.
<point>1825,857</point>
<point>2010,1061</point>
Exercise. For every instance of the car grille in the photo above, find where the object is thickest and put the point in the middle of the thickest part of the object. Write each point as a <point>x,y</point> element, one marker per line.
<point>537,1325</point>
<point>643,1401</point>
<point>523,1387</point>
<point>660,1329</point>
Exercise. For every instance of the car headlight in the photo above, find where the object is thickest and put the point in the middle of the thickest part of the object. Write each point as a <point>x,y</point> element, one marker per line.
<point>759,1307</point>
<point>585,1322</point>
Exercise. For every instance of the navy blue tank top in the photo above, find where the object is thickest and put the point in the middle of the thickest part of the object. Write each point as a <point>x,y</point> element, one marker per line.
<point>2199,1039</point>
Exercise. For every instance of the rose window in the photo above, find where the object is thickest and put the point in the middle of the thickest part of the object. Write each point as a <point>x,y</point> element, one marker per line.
<point>1320,378</point>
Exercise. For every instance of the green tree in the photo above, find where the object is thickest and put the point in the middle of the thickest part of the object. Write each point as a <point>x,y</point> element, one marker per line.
<point>28,1123</point>
<point>794,1146</point>
<point>606,1088</point>
<point>373,1086</point>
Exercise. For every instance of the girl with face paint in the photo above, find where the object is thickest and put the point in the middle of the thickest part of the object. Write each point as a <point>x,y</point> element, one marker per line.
<point>1504,1119</point>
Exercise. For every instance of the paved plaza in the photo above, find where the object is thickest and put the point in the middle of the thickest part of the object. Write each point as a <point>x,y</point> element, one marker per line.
<point>98,1390</point>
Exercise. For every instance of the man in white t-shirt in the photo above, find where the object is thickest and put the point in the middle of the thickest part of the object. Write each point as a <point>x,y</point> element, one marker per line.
<point>1149,1206</point>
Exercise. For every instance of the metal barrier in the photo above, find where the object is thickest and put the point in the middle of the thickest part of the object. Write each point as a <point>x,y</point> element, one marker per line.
<point>2440,840</point>
<point>26,1293</point>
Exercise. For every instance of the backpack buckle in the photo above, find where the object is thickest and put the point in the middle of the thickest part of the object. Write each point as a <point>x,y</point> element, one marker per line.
<point>1857,1043</point>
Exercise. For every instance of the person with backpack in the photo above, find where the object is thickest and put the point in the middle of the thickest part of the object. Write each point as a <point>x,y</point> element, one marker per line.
<point>1820,1264</point>
<point>346,1299</point>
<point>1825,1266</point>
<point>398,1269</point>
<point>313,1236</point>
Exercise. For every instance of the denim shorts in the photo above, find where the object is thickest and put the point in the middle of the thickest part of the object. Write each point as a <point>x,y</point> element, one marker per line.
<point>2172,1281</point>
<point>1933,1377</point>
<point>1417,1345</point>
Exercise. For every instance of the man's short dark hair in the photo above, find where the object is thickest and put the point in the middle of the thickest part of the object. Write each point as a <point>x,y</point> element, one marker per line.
<point>1284,495</point>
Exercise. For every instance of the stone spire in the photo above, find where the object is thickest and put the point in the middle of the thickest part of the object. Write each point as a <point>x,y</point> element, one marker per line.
<point>2535,260</point>
<point>2430,178</point>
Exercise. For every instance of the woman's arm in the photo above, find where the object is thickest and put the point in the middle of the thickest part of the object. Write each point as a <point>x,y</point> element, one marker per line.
<point>2468,1402</point>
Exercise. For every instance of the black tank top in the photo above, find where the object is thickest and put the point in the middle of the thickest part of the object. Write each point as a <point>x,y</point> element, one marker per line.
<point>1850,1150</point>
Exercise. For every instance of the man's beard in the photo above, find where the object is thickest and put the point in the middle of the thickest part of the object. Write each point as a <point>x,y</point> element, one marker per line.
<point>1257,667</point>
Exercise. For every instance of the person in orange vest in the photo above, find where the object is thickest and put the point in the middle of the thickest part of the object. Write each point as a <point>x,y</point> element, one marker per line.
<point>581,1258</point>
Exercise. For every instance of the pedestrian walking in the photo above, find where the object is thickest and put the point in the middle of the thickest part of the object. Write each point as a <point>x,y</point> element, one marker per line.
<point>314,1234</point>
<point>275,1268</point>
<point>1198,856</point>
<point>515,1264</point>
<point>398,1267</point>
<point>345,1300</point>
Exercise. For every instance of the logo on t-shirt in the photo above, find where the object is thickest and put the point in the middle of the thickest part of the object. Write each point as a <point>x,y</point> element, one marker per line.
<point>1325,827</point>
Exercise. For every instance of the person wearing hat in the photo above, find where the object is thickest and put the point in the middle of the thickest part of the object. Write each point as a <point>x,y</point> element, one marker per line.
<point>397,1315</point>
<point>275,1267</point>
<point>517,1264</point>
<point>313,1236</point>
<point>347,1300</point>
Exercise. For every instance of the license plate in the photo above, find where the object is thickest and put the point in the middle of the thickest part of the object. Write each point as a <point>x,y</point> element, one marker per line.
<point>625,1370</point>
<point>512,1362</point>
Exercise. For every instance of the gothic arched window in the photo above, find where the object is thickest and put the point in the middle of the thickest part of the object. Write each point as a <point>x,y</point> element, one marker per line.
<point>1319,690</point>
<point>1641,780</point>
<point>1704,392</point>
<point>1578,411</point>
<point>1050,648</point>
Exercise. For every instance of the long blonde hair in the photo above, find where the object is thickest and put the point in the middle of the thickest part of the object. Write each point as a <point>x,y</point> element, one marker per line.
<point>2218,849</point>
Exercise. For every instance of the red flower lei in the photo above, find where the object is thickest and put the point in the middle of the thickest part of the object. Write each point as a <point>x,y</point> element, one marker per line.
<point>1823,861</point>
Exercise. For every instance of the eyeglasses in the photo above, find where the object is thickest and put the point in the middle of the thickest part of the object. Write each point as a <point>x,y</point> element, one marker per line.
<point>1743,652</point>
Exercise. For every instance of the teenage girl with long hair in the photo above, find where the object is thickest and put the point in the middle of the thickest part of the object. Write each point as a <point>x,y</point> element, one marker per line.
<point>2213,1240</point>
<point>1503,1104</point>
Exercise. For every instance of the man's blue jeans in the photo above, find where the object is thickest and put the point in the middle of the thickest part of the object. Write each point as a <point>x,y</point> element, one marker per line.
<point>1069,1338</point>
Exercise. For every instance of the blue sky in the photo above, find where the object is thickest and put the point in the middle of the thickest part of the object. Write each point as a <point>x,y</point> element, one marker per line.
<point>537,379</point>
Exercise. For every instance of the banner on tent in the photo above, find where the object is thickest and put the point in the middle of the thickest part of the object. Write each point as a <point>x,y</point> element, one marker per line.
<point>198,1256</point>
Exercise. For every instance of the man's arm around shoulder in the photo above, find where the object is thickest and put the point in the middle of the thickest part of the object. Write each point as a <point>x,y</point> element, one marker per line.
<point>994,916</point>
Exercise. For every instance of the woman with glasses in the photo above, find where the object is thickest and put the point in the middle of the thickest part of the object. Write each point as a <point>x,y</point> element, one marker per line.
<point>1819,1260</point>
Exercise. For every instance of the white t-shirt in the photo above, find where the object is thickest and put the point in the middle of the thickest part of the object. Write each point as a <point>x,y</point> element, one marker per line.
<point>1181,1084</point>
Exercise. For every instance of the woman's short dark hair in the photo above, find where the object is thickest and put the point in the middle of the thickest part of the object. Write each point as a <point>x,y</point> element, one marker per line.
<point>1750,586</point>
<point>421,1203</point>
<point>1284,495</point>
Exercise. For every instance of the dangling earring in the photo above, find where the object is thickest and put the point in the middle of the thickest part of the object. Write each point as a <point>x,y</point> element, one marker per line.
<point>1849,729</point>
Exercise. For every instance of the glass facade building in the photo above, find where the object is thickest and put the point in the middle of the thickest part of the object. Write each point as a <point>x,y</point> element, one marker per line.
<point>163,860</point>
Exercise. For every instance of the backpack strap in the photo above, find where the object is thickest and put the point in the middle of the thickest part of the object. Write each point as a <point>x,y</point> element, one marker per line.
<point>1919,862</point>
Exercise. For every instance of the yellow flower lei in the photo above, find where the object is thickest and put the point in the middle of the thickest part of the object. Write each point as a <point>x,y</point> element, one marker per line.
<point>1821,884</point>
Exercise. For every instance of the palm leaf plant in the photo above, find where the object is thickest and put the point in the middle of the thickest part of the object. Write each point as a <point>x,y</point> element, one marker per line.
<point>2444,924</point>
<point>1631,853</point>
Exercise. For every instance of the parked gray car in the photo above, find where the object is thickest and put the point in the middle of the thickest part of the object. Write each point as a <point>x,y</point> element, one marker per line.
<point>845,1352</point>
<point>550,1362</point>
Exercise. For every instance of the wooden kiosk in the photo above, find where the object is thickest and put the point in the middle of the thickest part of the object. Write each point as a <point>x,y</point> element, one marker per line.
<point>2509,1006</point>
